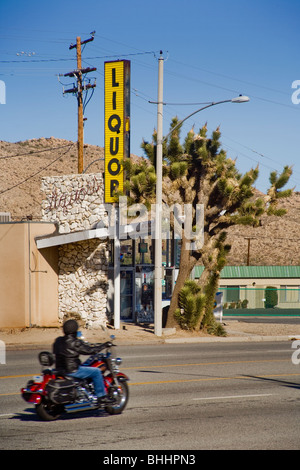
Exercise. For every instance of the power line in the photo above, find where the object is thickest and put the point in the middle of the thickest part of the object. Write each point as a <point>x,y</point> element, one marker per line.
<point>32,152</point>
<point>66,59</point>
<point>39,171</point>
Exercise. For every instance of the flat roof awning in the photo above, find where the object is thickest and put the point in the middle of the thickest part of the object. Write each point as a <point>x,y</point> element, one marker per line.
<point>135,230</point>
<point>72,237</point>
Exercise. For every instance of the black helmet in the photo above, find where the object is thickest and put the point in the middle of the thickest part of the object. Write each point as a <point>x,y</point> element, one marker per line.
<point>70,327</point>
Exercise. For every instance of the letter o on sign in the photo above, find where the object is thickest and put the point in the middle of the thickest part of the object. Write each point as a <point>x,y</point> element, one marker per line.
<point>110,164</point>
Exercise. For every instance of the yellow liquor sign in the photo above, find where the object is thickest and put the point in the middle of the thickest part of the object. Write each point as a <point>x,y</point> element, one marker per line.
<point>116,114</point>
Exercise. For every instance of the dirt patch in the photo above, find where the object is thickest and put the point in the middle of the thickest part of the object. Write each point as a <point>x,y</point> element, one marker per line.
<point>235,328</point>
<point>135,334</point>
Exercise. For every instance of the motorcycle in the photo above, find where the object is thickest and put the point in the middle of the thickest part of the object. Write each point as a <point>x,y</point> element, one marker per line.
<point>55,393</point>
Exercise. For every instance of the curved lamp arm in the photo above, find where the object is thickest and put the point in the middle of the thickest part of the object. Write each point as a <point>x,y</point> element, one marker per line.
<point>238,99</point>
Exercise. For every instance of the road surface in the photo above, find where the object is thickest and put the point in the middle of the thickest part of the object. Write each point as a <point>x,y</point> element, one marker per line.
<point>182,397</point>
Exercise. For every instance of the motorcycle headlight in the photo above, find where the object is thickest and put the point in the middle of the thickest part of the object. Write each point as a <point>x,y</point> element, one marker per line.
<point>118,361</point>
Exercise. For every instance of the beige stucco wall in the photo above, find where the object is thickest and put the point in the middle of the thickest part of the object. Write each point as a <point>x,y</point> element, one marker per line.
<point>254,290</point>
<point>28,278</point>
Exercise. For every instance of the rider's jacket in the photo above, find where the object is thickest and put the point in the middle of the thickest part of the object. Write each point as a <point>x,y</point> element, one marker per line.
<point>67,350</point>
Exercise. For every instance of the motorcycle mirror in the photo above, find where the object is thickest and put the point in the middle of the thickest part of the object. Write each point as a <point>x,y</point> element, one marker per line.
<point>46,358</point>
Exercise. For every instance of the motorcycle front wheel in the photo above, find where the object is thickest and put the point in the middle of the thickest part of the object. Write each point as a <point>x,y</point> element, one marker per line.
<point>48,411</point>
<point>121,395</point>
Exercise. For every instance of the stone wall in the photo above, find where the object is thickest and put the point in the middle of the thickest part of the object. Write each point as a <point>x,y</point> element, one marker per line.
<point>83,281</point>
<point>76,202</point>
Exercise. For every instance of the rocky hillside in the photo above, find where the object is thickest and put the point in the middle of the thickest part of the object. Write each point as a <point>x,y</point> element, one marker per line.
<point>275,242</point>
<point>22,164</point>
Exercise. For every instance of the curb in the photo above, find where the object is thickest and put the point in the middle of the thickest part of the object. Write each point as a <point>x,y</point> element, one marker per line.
<point>232,339</point>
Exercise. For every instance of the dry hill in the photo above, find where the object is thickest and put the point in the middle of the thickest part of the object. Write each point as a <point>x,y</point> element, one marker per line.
<point>22,164</point>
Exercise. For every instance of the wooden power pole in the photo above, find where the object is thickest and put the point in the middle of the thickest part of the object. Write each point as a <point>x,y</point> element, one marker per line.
<point>248,251</point>
<point>78,90</point>
<point>80,106</point>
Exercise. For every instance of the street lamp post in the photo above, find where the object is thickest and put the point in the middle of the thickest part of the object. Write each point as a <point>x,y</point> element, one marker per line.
<point>158,205</point>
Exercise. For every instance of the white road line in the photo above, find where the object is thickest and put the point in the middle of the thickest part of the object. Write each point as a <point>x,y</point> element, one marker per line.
<point>235,396</point>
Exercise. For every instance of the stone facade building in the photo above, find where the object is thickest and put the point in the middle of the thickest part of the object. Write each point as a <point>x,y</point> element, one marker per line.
<point>75,204</point>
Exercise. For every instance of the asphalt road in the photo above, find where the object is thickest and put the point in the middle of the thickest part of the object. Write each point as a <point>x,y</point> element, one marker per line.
<point>182,397</point>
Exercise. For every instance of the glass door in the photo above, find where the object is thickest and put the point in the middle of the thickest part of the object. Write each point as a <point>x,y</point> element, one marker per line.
<point>126,287</point>
<point>144,293</point>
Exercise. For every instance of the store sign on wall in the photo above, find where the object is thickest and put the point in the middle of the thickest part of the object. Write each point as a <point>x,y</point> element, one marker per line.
<point>68,199</point>
<point>116,127</point>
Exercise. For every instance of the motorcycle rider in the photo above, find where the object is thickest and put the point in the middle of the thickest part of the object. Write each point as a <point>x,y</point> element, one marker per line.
<point>67,350</point>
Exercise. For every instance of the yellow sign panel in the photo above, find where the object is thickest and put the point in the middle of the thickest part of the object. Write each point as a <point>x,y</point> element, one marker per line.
<point>116,95</point>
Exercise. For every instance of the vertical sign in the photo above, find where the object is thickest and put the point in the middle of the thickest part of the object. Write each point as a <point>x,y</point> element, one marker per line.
<point>116,116</point>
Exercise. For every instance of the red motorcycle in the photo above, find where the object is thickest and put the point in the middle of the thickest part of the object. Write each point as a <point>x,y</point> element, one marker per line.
<point>54,393</point>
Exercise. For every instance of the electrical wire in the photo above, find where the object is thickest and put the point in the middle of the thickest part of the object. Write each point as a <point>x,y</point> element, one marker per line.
<point>71,58</point>
<point>34,152</point>
<point>40,171</point>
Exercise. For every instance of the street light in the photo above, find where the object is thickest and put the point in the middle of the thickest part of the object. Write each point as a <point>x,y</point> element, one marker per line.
<point>238,99</point>
<point>158,211</point>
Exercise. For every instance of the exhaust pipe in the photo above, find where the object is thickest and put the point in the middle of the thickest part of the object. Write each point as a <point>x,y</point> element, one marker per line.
<point>74,407</point>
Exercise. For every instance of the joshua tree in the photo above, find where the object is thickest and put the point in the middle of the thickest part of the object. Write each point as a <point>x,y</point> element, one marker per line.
<point>200,173</point>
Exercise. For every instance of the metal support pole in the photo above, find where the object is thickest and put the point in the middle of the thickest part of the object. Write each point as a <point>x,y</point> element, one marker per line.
<point>117,280</point>
<point>158,207</point>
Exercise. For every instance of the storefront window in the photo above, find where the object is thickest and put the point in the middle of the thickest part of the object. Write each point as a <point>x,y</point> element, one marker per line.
<point>126,295</point>
<point>168,284</point>
<point>167,251</point>
<point>126,252</point>
<point>144,251</point>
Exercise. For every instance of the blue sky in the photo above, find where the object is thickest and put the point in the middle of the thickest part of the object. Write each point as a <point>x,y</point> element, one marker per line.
<point>214,50</point>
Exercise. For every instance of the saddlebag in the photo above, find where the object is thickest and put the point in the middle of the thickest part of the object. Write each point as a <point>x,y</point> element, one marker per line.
<point>61,391</point>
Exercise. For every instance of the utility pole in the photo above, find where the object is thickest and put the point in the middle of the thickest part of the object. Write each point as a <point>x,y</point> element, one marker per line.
<point>248,252</point>
<point>78,90</point>
<point>158,206</point>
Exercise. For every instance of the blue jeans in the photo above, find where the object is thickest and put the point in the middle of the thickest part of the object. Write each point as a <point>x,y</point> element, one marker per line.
<point>96,376</point>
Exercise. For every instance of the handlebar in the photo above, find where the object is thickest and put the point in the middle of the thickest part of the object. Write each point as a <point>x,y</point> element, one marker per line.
<point>106,345</point>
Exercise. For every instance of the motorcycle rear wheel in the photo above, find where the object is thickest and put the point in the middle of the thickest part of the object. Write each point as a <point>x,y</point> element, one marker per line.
<point>121,400</point>
<point>48,411</point>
